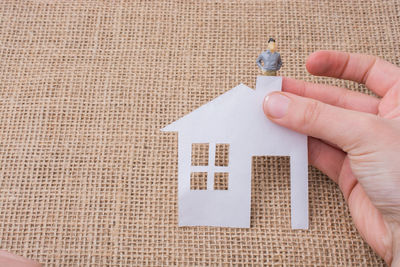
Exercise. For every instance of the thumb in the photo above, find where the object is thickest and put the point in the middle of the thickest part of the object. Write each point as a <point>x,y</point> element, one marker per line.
<point>342,127</point>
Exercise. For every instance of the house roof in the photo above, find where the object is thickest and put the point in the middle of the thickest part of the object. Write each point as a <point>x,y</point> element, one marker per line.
<point>237,108</point>
<point>222,105</point>
<point>237,117</point>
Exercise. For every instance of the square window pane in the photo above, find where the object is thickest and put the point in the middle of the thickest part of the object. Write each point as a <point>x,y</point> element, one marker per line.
<point>198,181</point>
<point>222,155</point>
<point>200,154</point>
<point>221,180</point>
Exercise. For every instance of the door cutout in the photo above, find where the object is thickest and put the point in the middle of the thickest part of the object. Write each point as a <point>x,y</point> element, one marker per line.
<point>270,191</point>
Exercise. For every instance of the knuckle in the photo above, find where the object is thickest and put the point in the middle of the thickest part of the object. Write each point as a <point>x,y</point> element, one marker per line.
<point>311,114</point>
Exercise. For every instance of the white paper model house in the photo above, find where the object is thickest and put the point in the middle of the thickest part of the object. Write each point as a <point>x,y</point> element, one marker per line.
<point>235,120</point>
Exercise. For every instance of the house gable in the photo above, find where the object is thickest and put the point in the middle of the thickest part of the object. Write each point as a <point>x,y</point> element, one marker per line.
<point>236,117</point>
<point>217,110</point>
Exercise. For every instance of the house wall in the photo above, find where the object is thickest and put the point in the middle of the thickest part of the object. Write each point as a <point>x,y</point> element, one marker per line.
<point>246,139</point>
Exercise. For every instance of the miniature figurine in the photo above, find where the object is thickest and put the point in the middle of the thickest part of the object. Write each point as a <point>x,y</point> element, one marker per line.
<point>271,59</point>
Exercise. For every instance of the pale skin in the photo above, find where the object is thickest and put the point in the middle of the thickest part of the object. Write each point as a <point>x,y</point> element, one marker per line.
<point>353,138</point>
<point>9,259</point>
<point>272,47</point>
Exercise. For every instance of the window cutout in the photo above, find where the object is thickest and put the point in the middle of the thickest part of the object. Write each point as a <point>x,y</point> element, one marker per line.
<point>200,154</point>
<point>221,181</point>
<point>198,181</point>
<point>222,155</point>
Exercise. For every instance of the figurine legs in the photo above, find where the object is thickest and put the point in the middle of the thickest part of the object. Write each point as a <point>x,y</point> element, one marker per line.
<point>269,73</point>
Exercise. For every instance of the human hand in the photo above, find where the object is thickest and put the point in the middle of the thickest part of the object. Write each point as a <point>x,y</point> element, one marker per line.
<point>353,138</point>
<point>9,259</point>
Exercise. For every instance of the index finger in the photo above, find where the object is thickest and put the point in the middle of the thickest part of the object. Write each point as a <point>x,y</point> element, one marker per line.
<point>377,74</point>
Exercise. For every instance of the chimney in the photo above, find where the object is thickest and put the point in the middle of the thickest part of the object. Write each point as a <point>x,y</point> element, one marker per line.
<point>268,84</point>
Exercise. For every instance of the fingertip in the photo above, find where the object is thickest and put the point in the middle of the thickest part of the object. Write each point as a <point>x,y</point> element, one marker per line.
<point>318,63</point>
<point>265,105</point>
<point>9,259</point>
<point>276,105</point>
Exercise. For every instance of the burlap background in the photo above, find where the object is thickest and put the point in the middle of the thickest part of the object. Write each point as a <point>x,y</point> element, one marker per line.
<point>87,178</point>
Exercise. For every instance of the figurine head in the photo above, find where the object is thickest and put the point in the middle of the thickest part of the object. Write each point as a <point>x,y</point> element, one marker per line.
<point>271,45</point>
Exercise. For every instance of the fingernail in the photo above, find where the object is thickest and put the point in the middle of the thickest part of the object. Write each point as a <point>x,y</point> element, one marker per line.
<point>276,105</point>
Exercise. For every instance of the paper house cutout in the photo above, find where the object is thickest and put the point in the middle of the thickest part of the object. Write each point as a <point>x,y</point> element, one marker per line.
<point>236,118</point>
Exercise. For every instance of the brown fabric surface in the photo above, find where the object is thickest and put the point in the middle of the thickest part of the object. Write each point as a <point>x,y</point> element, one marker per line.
<point>87,178</point>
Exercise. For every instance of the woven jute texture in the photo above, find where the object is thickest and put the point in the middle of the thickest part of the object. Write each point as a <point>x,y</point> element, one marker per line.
<point>86,176</point>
